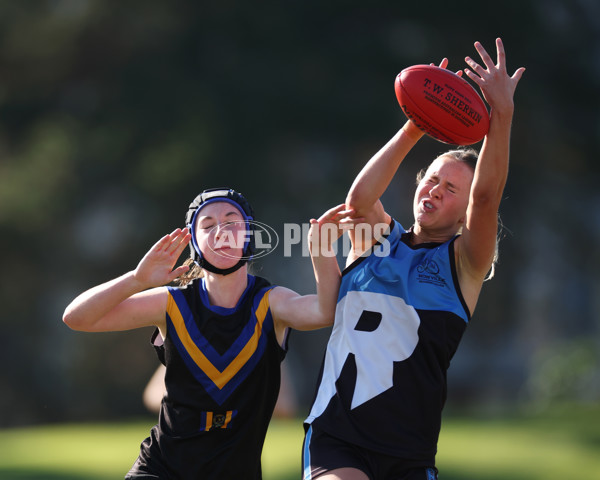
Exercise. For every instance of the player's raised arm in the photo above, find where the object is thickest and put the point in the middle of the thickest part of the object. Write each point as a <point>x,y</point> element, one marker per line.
<point>478,241</point>
<point>307,312</point>
<point>130,301</point>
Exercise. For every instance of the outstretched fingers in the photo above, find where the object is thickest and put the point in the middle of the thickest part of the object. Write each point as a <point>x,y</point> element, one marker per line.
<point>157,266</point>
<point>478,73</point>
<point>178,272</point>
<point>517,75</point>
<point>444,64</point>
<point>485,56</point>
<point>501,55</point>
<point>179,239</point>
<point>162,244</point>
<point>166,242</point>
<point>496,85</point>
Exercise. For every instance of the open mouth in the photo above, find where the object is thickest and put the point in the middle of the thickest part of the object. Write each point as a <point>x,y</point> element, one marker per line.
<point>427,205</point>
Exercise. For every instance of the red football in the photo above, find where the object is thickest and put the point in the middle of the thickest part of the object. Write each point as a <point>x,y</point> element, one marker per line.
<point>442,104</point>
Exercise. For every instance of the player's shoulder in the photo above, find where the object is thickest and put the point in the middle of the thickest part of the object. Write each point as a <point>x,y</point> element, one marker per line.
<point>278,294</point>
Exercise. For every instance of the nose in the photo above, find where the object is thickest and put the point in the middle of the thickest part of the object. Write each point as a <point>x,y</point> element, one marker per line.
<point>435,191</point>
<point>226,233</point>
<point>220,229</point>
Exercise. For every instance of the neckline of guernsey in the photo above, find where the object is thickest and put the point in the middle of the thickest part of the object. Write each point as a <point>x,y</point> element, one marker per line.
<point>224,310</point>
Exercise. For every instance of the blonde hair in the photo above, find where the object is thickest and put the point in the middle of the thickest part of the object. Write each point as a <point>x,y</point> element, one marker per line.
<point>192,274</point>
<point>467,155</point>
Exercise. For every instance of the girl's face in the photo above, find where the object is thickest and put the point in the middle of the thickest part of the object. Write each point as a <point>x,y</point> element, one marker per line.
<point>221,234</point>
<point>442,196</point>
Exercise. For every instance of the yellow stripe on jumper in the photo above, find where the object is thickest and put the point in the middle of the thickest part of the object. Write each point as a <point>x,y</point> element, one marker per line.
<point>219,378</point>
<point>227,418</point>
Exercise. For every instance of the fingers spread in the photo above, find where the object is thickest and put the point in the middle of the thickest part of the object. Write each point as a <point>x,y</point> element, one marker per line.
<point>487,60</point>
<point>517,75</point>
<point>501,54</point>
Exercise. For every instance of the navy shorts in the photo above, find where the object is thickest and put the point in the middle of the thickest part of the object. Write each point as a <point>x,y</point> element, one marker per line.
<point>322,453</point>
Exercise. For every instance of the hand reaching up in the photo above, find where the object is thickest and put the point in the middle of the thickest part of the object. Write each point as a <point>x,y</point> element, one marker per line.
<point>496,85</point>
<point>157,268</point>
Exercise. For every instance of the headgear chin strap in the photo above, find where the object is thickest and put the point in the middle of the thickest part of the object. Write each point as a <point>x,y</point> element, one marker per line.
<point>219,195</point>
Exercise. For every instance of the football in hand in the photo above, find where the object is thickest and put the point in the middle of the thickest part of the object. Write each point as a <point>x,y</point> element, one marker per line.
<point>442,104</point>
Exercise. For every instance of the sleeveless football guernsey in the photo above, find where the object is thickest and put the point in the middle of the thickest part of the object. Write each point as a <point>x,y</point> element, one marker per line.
<point>399,319</point>
<point>222,380</point>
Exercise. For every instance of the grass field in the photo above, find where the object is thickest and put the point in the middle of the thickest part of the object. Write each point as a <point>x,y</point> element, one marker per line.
<point>562,445</point>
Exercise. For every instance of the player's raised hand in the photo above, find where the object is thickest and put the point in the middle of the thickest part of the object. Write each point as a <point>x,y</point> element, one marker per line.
<point>157,268</point>
<point>497,86</point>
<point>325,230</point>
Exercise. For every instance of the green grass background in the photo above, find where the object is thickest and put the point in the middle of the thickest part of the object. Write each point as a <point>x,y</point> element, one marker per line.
<point>559,445</point>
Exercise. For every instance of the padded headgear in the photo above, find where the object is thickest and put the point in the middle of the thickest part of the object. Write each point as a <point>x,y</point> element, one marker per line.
<point>220,195</point>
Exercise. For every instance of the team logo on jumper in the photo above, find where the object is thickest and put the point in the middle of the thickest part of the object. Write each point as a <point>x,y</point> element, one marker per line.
<point>429,272</point>
<point>213,420</point>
